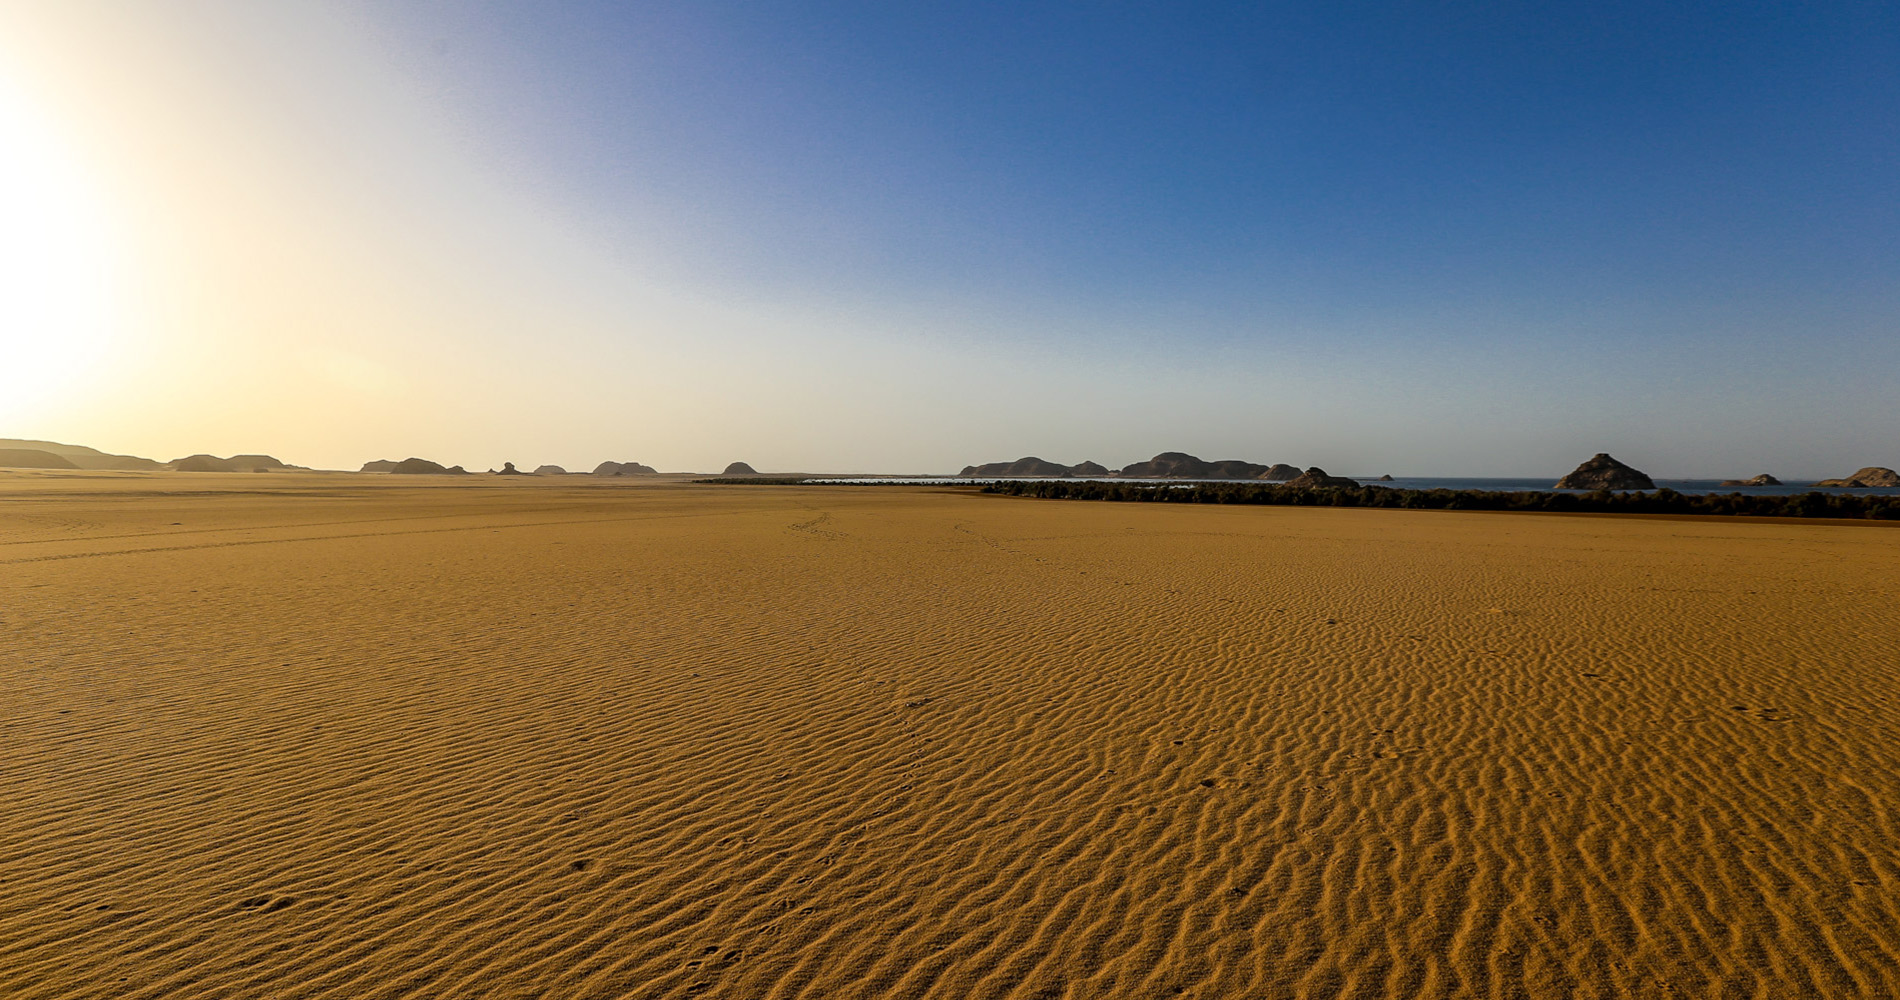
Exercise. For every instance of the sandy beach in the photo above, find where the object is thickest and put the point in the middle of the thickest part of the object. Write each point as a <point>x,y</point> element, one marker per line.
<point>303,736</point>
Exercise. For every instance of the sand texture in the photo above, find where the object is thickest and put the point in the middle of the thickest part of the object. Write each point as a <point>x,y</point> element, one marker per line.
<point>300,736</point>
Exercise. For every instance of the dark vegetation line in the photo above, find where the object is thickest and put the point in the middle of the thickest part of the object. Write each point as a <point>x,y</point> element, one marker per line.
<point>1662,501</point>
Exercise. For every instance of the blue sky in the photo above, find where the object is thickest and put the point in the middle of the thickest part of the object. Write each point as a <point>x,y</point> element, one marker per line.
<point>1423,238</point>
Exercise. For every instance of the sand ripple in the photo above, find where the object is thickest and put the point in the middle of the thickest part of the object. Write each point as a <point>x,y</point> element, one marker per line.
<point>664,741</point>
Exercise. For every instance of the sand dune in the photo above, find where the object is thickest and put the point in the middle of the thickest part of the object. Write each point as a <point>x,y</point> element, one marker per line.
<point>310,736</point>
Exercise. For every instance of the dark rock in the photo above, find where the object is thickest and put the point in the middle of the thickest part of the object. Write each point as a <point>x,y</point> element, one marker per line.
<point>1030,468</point>
<point>1383,479</point>
<point>424,467</point>
<point>33,458</point>
<point>739,469</point>
<point>1091,469</point>
<point>1180,465</point>
<point>624,469</point>
<point>508,469</point>
<point>236,463</point>
<point>1280,473</point>
<point>1316,477</point>
<point>1869,478</point>
<point>1605,473</point>
<point>1762,480</point>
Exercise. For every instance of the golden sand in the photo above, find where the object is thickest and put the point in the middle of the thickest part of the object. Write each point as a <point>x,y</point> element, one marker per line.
<point>353,737</point>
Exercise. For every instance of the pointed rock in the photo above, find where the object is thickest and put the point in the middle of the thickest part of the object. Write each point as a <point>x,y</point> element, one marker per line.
<point>1605,473</point>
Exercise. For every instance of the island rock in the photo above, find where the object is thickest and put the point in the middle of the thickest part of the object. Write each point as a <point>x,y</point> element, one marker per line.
<point>1280,472</point>
<point>1871,477</point>
<point>1180,465</point>
<point>1316,478</point>
<point>1762,480</point>
<point>1023,468</point>
<point>1605,473</point>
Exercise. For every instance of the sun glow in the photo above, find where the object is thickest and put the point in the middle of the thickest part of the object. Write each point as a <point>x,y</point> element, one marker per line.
<point>59,289</point>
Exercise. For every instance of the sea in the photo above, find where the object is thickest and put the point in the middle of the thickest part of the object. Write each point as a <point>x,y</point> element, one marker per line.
<point>1691,486</point>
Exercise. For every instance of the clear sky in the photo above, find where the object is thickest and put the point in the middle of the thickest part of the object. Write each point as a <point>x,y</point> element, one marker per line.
<point>1455,239</point>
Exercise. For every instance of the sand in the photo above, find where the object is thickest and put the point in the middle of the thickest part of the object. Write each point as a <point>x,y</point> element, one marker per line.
<point>302,736</point>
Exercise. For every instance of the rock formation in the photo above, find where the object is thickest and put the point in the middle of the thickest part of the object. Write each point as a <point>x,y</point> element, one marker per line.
<point>508,469</point>
<point>1762,480</point>
<point>1091,469</point>
<point>424,467</point>
<point>1028,468</point>
<point>1179,465</point>
<point>1316,477</point>
<point>1605,473</point>
<point>33,458</point>
<point>1280,473</point>
<point>550,470</point>
<point>1871,477</point>
<point>236,463</point>
<point>739,469</point>
<point>1383,479</point>
<point>380,465</point>
<point>624,469</point>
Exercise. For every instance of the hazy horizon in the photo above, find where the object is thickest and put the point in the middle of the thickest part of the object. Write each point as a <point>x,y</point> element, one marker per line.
<point>846,237</point>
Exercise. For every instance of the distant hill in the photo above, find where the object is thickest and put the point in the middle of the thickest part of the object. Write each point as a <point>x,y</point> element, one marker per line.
<point>1180,465</point>
<point>236,463</point>
<point>1022,467</point>
<point>1868,477</point>
<point>380,465</point>
<point>1167,465</point>
<point>739,469</point>
<point>33,458</point>
<point>1282,472</point>
<point>550,470</point>
<point>424,467</point>
<point>624,469</point>
<point>81,456</point>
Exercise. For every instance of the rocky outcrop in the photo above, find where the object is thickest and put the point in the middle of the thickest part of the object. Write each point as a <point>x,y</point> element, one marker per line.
<point>550,470</point>
<point>1180,465</point>
<point>380,465</point>
<point>508,469</point>
<point>236,463</point>
<point>624,469</point>
<point>1316,478</point>
<point>1094,470</point>
<point>1280,472</point>
<point>1024,468</point>
<point>424,467</point>
<point>33,458</point>
<point>1605,473</point>
<point>1383,479</point>
<point>1762,480</point>
<point>1872,477</point>
<point>739,469</point>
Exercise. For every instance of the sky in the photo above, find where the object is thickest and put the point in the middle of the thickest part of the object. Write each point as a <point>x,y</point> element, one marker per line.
<point>1406,238</point>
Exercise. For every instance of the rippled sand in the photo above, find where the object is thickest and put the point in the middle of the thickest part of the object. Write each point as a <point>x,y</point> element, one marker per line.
<point>329,736</point>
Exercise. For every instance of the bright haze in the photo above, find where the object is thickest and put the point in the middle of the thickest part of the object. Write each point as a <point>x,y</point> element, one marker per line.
<point>1409,238</point>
